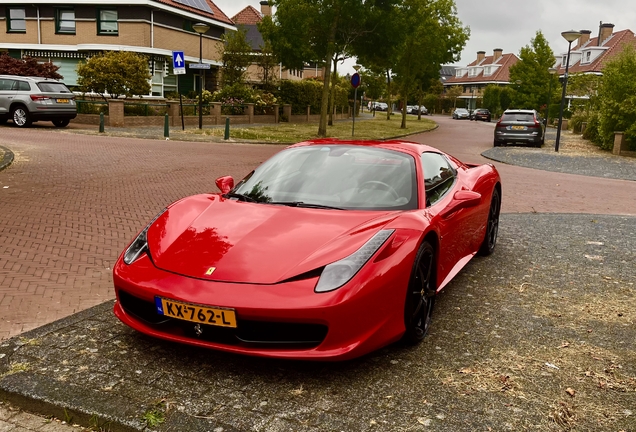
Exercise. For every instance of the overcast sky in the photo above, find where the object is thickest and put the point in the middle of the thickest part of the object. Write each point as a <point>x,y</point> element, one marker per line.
<point>510,25</point>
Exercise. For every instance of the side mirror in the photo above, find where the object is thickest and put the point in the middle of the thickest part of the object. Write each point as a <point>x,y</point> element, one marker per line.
<point>225,184</point>
<point>461,200</point>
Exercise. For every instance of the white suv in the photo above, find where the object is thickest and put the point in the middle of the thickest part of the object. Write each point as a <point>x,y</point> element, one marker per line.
<point>29,99</point>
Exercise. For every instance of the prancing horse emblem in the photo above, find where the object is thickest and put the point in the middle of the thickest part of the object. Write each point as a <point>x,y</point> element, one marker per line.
<point>210,271</point>
<point>198,330</point>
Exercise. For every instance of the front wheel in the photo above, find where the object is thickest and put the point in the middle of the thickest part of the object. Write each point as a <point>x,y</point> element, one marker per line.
<point>492,226</point>
<point>420,296</point>
<point>21,117</point>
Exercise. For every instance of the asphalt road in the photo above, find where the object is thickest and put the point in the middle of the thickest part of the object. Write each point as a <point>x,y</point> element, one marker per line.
<point>70,203</point>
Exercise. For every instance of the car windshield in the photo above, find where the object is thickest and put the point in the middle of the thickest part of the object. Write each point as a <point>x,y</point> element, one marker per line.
<point>518,117</point>
<point>334,176</point>
<point>51,87</point>
<point>461,110</point>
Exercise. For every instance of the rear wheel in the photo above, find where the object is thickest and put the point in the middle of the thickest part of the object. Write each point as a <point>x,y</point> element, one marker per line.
<point>61,123</point>
<point>492,226</point>
<point>21,116</point>
<point>420,296</point>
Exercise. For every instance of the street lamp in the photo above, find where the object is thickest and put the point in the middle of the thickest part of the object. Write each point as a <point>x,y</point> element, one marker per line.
<point>200,28</point>
<point>570,36</point>
<point>547,107</point>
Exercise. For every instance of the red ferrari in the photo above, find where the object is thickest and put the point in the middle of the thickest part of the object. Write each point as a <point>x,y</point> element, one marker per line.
<point>327,251</point>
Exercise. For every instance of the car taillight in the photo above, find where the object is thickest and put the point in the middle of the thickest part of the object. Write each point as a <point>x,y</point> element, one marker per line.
<point>40,99</point>
<point>535,125</point>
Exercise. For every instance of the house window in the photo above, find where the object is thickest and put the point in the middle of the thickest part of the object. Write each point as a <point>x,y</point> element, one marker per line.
<point>564,60</point>
<point>65,21</point>
<point>16,20</point>
<point>588,56</point>
<point>107,22</point>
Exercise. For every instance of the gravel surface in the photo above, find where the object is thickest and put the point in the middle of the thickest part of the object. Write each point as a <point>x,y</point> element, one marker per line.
<point>540,336</point>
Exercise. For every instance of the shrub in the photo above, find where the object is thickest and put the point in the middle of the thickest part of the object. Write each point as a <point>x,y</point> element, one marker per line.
<point>591,131</point>
<point>576,122</point>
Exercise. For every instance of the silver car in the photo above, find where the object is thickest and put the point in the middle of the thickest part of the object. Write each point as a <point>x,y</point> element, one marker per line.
<point>29,99</point>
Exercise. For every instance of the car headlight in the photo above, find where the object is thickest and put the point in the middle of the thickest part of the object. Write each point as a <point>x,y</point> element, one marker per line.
<point>340,272</point>
<point>140,244</point>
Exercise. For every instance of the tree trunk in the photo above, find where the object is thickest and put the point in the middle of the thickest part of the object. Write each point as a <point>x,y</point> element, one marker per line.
<point>332,98</point>
<point>388,90</point>
<point>324,104</point>
<point>403,125</point>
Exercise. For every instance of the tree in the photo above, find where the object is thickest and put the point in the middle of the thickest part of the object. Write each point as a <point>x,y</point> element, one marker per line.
<point>305,31</point>
<point>492,94</point>
<point>115,73</point>
<point>617,97</point>
<point>585,86</point>
<point>372,84</point>
<point>28,66</point>
<point>453,93</point>
<point>530,75</point>
<point>267,62</point>
<point>236,57</point>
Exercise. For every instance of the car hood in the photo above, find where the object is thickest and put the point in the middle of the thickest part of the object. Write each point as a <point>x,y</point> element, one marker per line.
<point>213,238</point>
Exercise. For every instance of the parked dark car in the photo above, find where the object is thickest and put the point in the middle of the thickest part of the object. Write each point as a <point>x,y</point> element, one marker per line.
<point>517,126</point>
<point>481,114</point>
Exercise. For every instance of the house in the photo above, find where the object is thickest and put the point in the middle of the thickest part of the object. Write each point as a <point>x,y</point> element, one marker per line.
<point>70,31</point>
<point>485,70</point>
<point>248,19</point>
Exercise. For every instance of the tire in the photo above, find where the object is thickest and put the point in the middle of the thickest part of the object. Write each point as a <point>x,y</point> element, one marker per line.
<point>61,123</point>
<point>492,226</point>
<point>496,144</point>
<point>3,121</point>
<point>420,295</point>
<point>21,117</point>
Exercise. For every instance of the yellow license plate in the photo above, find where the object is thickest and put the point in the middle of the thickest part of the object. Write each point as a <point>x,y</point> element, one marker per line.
<point>215,316</point>
<point>518,128</point>
<point>62,101</point>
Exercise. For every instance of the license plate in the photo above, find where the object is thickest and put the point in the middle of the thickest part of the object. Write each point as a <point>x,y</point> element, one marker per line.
<point>62,101</point>
<point>518,128</point>
<point>215,316</point>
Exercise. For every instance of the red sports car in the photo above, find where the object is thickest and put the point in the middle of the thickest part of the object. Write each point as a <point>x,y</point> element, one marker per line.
<point>328,250</point>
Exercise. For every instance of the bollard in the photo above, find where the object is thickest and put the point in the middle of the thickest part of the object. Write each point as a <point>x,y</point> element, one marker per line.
<point>227,128</point>
<point>166,127</point>
<point>101,122</point>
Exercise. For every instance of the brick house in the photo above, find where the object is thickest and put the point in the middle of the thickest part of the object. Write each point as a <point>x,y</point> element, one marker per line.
<point>590,55</point>
<point>70,31</point>
<point>483,71</point>
<point>248,19</point>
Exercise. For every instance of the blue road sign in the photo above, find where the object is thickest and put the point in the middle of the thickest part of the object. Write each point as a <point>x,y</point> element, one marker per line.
<point>178,59</point>
<point>355,80</point>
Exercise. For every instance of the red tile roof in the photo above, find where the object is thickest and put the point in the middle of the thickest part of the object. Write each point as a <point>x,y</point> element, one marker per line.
<point>502,74</point>
<point>615,44</point>
<point>217,14</point>
<point>248,16</point>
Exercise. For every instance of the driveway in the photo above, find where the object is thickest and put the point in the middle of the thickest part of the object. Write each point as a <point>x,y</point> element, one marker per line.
<point>517,341</point>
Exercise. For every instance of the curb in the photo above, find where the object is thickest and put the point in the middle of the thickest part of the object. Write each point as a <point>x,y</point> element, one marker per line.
<point>7,158</point>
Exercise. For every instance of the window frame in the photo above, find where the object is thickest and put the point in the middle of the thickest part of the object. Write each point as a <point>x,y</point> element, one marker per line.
<point>446,183</point>
<point>100,30</point>
<point>58,20</point>
<point>9,19</point>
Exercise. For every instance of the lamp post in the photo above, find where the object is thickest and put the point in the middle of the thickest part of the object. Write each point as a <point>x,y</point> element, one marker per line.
<point>200,28</point>
<point>570,36</point>
<point>547,106</point>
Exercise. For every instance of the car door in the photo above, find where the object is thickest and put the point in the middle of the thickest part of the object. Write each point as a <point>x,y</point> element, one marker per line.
<point>7,94</point>
<point>441,185</point>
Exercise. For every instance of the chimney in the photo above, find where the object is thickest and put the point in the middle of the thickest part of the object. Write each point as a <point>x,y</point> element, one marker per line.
<point>585,36</point>
<point>481,55</point>
<point>496,54</point>
<point>266,9</point>
<point>604,31</point>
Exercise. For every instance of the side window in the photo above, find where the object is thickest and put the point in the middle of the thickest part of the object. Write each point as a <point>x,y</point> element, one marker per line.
<point>439,176</point>
<point>21,86</point>
<point>6,84</point>
<point>16,20</point>
<point>107,22</point>
<point>65,20</point>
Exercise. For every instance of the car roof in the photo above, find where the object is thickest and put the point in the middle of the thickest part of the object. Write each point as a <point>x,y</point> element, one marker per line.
<point>33,78</point>
<point>522,111</point>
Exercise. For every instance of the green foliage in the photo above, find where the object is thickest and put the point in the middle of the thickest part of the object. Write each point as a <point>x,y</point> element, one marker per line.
<point>591,131</point>
<point>584,86</point>
<point>300,94</point>
<point>505,98</point>
<point>115,73</point>
<point>268,63</point>
<point>530,75</point>
<point>617,98</point>
<point>236,57</point>
<point>492,100</point>
<point>373,84</point>
<point>28,66</point>
<point>453,93</point>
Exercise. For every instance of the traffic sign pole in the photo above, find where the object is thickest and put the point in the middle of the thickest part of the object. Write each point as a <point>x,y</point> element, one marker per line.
<point>355,82</point>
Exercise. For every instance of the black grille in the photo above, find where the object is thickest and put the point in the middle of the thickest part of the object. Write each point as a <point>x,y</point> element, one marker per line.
<point>263,334</point>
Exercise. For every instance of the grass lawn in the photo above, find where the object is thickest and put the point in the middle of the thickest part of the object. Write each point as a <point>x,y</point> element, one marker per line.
<point>376,128</point>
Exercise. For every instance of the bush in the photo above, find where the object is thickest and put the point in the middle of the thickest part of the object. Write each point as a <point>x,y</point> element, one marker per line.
<point>592,130</point>
<point>576,122</point>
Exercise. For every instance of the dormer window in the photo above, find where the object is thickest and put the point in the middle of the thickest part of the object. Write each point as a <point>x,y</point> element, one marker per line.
<point>564,60</point>
<point>588,56</point>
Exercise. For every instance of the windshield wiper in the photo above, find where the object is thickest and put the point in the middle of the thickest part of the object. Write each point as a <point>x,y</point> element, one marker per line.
<point>239,197</point>
<point>304,205</point>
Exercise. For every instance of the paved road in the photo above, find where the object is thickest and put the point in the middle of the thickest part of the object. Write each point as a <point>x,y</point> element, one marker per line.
<point>70,203</point>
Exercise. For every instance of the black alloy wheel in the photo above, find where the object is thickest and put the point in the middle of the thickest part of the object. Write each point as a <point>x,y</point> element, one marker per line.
<point>492,226</point>
<point>420,297</point>
<point>61,123</point>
